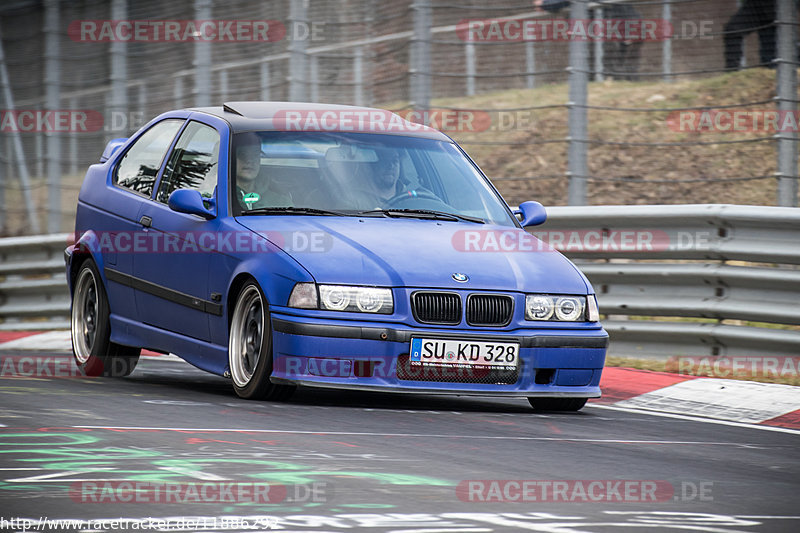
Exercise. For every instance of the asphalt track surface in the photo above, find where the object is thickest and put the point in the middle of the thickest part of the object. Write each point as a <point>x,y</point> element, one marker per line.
<point>347,461</point>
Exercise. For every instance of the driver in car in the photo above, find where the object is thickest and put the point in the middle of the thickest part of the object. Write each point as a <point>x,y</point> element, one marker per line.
<point>254,188</point>
<point>385,183</point>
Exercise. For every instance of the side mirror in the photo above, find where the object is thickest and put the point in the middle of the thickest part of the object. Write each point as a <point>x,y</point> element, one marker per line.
<point>531,213</point>
<point>189,201</point>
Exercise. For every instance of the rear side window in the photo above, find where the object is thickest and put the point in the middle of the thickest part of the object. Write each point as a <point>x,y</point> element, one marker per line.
<point>193,163</point>
<point>139,166</point>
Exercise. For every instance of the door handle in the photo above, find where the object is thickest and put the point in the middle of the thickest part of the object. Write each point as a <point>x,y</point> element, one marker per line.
<point>145,221</point>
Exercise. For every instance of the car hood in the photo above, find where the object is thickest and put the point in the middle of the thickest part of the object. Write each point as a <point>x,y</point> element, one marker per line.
<point>397,252</point>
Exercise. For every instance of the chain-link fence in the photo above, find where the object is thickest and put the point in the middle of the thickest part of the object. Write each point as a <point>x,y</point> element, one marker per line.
<point>564,102</point>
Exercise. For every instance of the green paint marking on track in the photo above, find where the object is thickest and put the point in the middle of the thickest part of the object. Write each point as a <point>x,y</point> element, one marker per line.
<point>368,505</point>
<point>68,452</point>
<point>74,439</point>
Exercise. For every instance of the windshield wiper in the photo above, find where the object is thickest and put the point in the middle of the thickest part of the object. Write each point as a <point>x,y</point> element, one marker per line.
<point>424,213</point>
<point>287,210</point>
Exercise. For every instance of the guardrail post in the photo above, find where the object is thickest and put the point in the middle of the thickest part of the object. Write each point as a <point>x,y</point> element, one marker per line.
<point>223,85</point>
<point>297,51</point>
<point>421,56</point>
<point>313,77</point>
<point>3,181</point>
<point>73,143</point>
<point>530,64</point>
<point>142,106</point>
<point>202,58</point>
<point>787,102</point>
<point>469,58</point>
<point>118,64</point>
<point>666,45</point>
<point>8,159</point>
<point>578,81</point>
<point>264,80</point>
<point>52,81</point>
<point>358,75</point>
<point>598,48</point>
<point>177,92</point>
<point>38,154</point>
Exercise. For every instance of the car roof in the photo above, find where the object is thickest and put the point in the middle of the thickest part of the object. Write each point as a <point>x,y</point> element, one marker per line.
<point>272,116</point>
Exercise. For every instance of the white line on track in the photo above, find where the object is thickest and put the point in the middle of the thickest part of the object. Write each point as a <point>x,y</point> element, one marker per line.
<point>407,435</point>
<point>697,419</point>
<point>763,517</point>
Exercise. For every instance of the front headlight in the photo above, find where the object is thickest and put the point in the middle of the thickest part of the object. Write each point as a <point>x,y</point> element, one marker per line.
<point>570,308</point>
<point>539,307</point>
<point>342,298</point>
<point>561,308</point>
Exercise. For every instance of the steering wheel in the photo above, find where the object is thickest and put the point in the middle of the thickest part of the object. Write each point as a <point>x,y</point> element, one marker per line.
<point>408,196</point>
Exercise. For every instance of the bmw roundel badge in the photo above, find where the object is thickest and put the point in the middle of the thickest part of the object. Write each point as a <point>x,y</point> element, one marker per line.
<point>461,278</point>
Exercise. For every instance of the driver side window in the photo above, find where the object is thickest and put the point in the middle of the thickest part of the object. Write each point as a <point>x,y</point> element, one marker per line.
<point>193,164</point>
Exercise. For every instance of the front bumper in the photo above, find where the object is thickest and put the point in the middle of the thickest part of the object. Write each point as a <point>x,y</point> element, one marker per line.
<point>339,354</point>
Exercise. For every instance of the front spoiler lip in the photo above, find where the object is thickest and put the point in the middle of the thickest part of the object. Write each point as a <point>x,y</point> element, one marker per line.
<point>443,392</point>
<point>291,327</point>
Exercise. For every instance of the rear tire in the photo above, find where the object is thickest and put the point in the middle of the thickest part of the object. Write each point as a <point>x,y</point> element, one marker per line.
<point>92,348</point>
<point>557,404</point>
<point>250,348</point>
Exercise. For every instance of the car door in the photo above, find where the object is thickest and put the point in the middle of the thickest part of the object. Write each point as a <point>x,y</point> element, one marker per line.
<point>116,224</point>
<point>172,274</point>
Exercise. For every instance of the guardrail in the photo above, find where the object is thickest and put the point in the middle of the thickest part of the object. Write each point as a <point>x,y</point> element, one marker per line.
<point>660,270</point>
<point>670,280</point>
<point>33,286</point>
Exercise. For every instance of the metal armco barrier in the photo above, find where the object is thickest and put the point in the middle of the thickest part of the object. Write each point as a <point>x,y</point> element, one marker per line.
<point>734,265</point>
<point>654,269</point>
<point>33,285</point>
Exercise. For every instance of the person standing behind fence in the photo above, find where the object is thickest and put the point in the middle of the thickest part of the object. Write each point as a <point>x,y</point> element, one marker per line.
<point>753,15</point>
<point>621,58</point>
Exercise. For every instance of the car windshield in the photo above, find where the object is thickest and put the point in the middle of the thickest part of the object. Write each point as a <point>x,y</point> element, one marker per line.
<point>365,174</point>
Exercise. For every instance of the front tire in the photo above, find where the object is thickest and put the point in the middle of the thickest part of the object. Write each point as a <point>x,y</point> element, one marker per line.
<point>92,348</point>
<point>250,348</point>
<point>557,404</point>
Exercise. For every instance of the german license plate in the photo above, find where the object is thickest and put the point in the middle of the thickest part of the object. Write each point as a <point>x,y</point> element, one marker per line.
<point>464,354</point>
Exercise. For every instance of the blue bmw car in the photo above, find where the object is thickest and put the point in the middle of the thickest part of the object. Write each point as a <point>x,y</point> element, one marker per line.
<point>284,245</point>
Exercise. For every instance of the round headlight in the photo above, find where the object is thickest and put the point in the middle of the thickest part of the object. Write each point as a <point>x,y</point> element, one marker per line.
<point>369,301</point>
<point>538,307</point>
<point>569,308</point>
<point>334,298</point>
